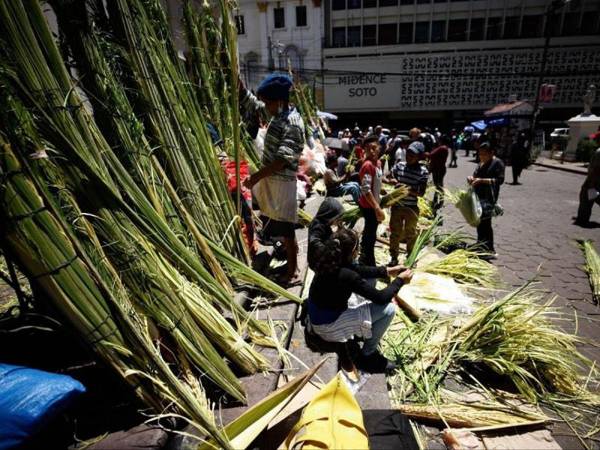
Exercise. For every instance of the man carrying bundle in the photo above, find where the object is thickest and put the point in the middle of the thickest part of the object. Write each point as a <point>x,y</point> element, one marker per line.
<point>405,213</point>
<point>274,185</point>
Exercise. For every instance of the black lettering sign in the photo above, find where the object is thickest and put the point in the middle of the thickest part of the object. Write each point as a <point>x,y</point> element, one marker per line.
<point>371,78</point>
<point>362,92</point>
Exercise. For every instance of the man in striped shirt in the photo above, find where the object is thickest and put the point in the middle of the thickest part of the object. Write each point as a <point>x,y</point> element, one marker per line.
<point>274,185</point>
<point>405,213</point>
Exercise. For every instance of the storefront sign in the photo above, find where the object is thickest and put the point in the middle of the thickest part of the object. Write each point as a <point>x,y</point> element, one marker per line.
<point>356,92</point>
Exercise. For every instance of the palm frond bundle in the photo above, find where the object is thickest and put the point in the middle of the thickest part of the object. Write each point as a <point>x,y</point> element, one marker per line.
<point>39,239</point>
<point>592,267</point>
<point>423,239</point>
<point>517,337</point>
<point>475,414</point>
<point>123,217</point>
<point>351,215</point>
<point>465,266</point>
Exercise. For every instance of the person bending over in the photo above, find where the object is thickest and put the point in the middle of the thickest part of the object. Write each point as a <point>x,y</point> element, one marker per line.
<point>338,186</point>
<point>343,302</point>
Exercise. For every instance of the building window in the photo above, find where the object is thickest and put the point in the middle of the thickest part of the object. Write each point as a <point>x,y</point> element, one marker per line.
<point>239,25</point>
<point>591,22</point>
<point>252,75</point>
<point>338,5</point>
<point>554,23</point>
<point>279,17</point>
<point>532,26</point>
<point>369,3</point>
<point>354,36</point>
<point>457,30</point>
<point>438,31</point>
<point>300,16</point>
<point>406,33</point>
<point>571,26</point>
<point>422,33</point>
<point>353,4</point>
<point>388,3</point>
<point>423,2</point>
<point>477,32</point>
<point>339,36</point>
<point>292,54</point>
<point>511,27</point>
<point>387,33</point>
<point>407,2</point>
<point>494,28</point>
<point>440,1</point>
<point>369,35</point>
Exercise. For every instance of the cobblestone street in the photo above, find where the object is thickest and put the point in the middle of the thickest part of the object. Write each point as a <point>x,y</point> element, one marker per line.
<point>536,235</point>
<point>536,232</point>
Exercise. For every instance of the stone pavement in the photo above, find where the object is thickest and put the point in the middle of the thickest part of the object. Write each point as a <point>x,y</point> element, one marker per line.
<point>536,237</point>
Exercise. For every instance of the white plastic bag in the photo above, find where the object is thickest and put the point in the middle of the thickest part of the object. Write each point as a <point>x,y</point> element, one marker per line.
<point>470,207</point>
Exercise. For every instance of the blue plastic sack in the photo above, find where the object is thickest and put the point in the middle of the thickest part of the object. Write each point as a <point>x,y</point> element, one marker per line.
<point>29,399</point>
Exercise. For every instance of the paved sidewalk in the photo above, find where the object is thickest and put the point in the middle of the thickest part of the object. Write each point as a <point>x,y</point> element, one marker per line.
<point>574,167</point>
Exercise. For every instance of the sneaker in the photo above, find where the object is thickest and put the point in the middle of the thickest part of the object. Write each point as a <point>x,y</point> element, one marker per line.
<point>375,363</point>
<point>489,257</point>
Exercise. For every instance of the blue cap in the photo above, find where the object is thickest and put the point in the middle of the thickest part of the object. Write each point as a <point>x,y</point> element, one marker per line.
<point>416,147</point>
<point>275,86</point>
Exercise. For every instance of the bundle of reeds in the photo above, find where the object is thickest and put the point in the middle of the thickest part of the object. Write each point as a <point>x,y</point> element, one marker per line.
<point>517,337</point>
<point>423,239</point>
<point>123,217</point>
<point>467,267</point>
<point>475,414</point>
<point>592,267</point>
<point>351,215</point>
<point>43,244</point>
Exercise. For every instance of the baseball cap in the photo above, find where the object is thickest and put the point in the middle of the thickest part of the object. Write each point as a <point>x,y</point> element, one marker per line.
<point>416,147</point>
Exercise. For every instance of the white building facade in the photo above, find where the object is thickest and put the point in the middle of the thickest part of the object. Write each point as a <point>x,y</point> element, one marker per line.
<point>450,59</point>
<point>271,33</point>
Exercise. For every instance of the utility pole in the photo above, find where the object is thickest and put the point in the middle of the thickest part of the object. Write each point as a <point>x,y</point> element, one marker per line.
<point>270,52</point>
<point>552,8</point>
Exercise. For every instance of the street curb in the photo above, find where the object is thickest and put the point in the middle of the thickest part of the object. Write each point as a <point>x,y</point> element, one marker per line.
<point>564,169</point>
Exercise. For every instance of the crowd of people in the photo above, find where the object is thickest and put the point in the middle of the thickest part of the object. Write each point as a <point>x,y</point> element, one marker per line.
<point>344,303</point>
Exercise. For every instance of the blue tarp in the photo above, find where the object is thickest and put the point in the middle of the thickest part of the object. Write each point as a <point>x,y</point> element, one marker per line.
<point>480,125</point>
<point>498,122</point>
<point>29,399</point>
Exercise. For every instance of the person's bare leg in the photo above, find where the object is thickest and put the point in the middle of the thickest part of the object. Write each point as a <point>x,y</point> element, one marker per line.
<point>291,251</point>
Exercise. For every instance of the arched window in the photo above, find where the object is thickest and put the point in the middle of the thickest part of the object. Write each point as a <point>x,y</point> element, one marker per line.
<point>295,56</point>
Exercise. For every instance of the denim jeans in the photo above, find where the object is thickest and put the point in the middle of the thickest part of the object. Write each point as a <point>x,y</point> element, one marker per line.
<point>350,188</point>
<point>381,318</point>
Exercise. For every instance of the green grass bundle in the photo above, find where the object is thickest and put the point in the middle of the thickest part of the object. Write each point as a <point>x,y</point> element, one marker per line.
<point>474,414</point>
<point>394,197</point>
<point>351,216</point>
<point>304,218</point>
<point>423,239</point>
<point>465,266</point>
<point>517,337</point>
<point>592,267</point>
